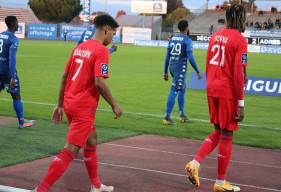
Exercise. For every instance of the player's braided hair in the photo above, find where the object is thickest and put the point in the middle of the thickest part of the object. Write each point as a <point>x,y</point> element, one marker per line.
<point>236,17</point>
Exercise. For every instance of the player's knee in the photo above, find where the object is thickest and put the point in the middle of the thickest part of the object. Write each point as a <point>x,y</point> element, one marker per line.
<point>92,141</point>
<point>16,97</point>
<point>73,148</point>
<point>226,132</point>
<point>217,127</point>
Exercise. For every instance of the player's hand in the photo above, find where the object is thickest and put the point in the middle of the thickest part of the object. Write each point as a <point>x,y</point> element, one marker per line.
<point>199,75</point>
<point>165,77</point>
<point>240,114</point>
<point>12,83</point>
<point>57,114</point>
<point>114,47</point>
<point>117,111</point>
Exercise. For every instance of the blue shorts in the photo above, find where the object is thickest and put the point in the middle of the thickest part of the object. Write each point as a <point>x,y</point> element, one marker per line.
<point>4,84</point>
<point>179,78</point>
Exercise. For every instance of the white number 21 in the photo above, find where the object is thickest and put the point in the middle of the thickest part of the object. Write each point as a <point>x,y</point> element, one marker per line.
<point>80,62</point>
<point>217,49</point>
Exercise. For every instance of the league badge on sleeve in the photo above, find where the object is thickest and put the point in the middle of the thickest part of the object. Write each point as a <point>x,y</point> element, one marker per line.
<point>244,58</point>
<point>104,69</point>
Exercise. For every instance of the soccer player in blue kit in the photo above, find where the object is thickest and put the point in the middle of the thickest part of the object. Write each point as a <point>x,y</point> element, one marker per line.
<point>178,53</point>
<point>88,34</point>
<point>8,74</point>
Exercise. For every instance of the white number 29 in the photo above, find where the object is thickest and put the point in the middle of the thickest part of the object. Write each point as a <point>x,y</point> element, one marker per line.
<point>1,45</point>
<point>217,49</point>
<point>80,62</point>
<point>176,49</point>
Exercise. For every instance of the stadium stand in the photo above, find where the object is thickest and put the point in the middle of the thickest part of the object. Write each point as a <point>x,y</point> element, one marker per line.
<point>202,22</point>
<point>216,19</point>
<point>24,15</point>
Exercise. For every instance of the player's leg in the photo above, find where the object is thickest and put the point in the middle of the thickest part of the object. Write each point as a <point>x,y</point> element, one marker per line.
<point>170,105</point>
<point>91,163</point>
<point>209,144</point>
<point>228,110</point>
<point>80,127</point>
<point>18,105</point>
<point>181,100</point>
<point>57,167</point>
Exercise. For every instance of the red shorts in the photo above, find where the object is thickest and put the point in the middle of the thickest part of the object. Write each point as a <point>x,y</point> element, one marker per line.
<point>222,112</point>
<point>81,124</point>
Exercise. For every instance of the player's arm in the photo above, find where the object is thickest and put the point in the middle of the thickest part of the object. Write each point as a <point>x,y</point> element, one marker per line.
<point>191,59</point>
<point>106,94</point>
<point>101,73</point>
<point>58,110</point>
<point>166,64</point>
<point>12,62</point>
<point>239,77</point>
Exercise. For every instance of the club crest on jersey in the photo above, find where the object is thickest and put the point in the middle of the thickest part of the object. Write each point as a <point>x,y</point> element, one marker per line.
<point>104,69</point>
<point>244,58</point>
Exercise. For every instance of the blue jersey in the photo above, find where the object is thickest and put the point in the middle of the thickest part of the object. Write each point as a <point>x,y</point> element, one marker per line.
<point>178,53</point>
<point>8,49</point>
<point>88,34</point>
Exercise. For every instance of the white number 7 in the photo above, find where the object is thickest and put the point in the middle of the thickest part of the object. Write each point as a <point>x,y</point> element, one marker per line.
<point>80,62</point>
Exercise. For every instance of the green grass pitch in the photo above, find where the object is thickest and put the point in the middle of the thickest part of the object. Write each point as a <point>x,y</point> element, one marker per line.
<point>136,82</point>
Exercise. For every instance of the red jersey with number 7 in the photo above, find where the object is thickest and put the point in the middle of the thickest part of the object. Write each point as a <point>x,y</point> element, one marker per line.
<point>87,61</point>
<point>226,60</point>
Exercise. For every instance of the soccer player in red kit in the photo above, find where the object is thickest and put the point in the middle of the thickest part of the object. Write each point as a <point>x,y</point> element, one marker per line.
<point>225,66</point>
<point>82,83</point>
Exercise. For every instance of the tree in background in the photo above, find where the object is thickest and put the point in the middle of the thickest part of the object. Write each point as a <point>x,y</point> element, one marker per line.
<point>173,4</point>
<point>175,12</point>
<point>55,10</point>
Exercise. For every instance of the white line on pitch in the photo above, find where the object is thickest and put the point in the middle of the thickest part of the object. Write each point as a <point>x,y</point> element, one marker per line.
<point>11,189</point>
<point>190,155</point>
<point>151,115</point>
<point>179,175</point>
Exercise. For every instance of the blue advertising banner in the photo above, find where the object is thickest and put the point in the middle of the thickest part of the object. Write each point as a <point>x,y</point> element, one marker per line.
<point>151,43</point>
<point>255,85</point>
<point>42,31</point>
<point>73,33</point>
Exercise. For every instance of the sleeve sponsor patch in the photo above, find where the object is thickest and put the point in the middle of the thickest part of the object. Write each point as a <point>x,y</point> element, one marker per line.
<point>244,58</point>
<point>104,69</point>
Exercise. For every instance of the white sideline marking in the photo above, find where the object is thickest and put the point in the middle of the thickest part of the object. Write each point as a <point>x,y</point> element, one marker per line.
<point>11,189</point>
<point>190,155</point>
<point>151,115</point>
<point>179,175</point>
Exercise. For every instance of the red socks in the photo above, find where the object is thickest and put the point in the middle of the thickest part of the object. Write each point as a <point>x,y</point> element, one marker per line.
<point>56,169</point>
<point>91,163</point>
<point>208,145</point>
<point>224,155</point>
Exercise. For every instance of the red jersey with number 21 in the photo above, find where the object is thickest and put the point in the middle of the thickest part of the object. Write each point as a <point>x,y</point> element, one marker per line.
<point>88,60</point>
<point>226,60</point>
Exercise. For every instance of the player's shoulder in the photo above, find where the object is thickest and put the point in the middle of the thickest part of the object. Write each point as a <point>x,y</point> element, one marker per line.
<point>188,39</point>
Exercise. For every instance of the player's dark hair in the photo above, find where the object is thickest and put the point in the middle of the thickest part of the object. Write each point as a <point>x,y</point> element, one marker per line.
<point>103,20</point>
<point>10,21</point>
<point>236,17</point>
<point>182,25</point>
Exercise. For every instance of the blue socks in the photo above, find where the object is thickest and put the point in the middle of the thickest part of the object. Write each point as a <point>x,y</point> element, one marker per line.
<point>171,102</point>
<point>181,102</point>
<point>18,107</point>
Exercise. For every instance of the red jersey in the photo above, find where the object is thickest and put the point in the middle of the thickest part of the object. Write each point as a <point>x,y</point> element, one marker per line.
<point>88,60</point>
<point>226,60</point>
